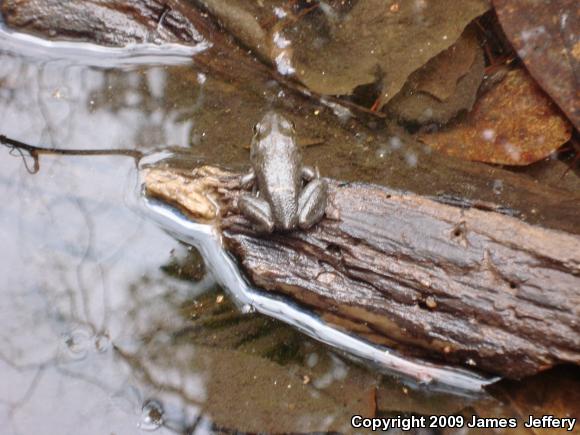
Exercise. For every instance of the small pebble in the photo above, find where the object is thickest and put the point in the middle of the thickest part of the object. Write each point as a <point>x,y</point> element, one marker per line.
<point>430,301</point>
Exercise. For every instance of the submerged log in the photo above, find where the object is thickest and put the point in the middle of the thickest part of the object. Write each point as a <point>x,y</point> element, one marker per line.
<point>466,285</point>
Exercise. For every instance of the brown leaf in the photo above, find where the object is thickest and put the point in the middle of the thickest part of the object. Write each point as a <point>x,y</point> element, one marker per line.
<point>375,42</point>
<point>514,123</point>
<point>555,392</point>
<point>546,36</point>
<point>446,85</point>
<point>440,75</point>
<point>333,48</point>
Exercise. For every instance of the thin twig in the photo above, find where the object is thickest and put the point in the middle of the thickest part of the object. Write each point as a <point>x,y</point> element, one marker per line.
<point>36,151</point>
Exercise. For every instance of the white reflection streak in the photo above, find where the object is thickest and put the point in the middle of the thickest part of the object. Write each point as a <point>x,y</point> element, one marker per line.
<point>97,55</point>
<point>226,273</point>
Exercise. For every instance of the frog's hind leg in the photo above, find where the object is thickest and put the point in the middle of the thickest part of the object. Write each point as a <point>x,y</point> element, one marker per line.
<point>258,212</point>
<point>312,203</point>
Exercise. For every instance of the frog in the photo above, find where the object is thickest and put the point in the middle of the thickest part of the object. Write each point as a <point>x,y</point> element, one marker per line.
<point>286,194</point>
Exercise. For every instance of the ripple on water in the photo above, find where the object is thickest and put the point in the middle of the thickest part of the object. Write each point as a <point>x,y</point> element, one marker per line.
<point>76,344</point>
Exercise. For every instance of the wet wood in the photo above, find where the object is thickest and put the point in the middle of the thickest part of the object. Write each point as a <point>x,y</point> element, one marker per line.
<point>463,284</point>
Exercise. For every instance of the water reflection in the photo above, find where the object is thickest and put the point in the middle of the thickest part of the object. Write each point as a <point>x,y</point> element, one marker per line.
<point>81,272</point>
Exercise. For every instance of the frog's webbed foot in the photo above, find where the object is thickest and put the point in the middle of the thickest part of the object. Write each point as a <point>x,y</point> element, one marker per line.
<point>309,173</point>
<point>258,212</point>
<point>248,180</point>
<point>312,203</point>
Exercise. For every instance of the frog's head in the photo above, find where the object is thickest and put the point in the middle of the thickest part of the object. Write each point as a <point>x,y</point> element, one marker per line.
<point>273,124</point>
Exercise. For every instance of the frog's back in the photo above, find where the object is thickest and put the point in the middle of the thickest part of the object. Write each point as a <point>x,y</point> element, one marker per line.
<point>277,163</point>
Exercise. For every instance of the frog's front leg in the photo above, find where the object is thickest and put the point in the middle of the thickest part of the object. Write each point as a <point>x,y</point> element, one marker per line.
<point>312,203</point>
<point>248,180</point>
<point>309,173</point>
<point>258,212</point>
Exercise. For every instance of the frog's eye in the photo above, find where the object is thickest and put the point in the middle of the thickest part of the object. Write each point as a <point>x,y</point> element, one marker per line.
<point>262,129</point>
<point>287,126</point>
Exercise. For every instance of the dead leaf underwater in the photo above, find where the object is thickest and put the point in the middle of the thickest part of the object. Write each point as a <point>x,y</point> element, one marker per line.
<point>447,84</point>
<point>514,123</point>
<point>546,36</point>
<point>375,42</point>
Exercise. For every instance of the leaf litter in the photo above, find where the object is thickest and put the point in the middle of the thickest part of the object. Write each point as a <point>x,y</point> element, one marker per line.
<point>514,123</point>
<point>375,42</point>
<point>335,47</point>
<point>546,36</point>
<point>446,85</point>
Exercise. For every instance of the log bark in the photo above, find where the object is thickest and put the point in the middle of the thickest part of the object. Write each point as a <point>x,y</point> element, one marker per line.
<point>467,285</point>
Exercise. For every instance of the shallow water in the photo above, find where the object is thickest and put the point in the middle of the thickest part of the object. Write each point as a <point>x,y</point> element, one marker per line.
<point>110,325</point>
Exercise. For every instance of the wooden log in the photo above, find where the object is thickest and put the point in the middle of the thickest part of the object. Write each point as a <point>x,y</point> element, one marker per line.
<point>466,285</point>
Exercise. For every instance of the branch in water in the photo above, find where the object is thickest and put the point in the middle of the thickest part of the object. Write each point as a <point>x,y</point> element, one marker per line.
<point>36,151</point>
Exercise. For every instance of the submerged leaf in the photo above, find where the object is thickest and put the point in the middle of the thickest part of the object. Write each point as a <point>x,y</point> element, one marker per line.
<point>440,75</point>
<point>514,123</point>
<point>335,47</point>
<point>446,85</point>
<point>546,35</point>
<point>555,392</point>
<point>375,42</point>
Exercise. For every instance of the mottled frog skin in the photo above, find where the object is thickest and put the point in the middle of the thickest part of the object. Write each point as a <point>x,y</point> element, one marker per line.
<point>283,201</point>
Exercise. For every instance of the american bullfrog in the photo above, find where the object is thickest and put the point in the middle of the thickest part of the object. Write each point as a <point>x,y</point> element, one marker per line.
<point>283,201</point>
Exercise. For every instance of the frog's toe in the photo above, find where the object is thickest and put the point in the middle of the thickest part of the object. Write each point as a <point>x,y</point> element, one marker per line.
<point>312,203</point>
